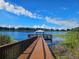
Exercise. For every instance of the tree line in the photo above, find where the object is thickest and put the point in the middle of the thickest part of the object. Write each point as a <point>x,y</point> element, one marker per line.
<point>34,29</point>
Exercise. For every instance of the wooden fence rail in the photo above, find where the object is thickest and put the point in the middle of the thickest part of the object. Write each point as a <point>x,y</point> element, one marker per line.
<point>12,51</point>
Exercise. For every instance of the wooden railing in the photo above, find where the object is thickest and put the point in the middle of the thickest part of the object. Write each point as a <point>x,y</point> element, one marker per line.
<point>12,51</point>
<point>38,50</point>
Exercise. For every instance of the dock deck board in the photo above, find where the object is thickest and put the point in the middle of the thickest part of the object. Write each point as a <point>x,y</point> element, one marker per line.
<point>28,51</point>
<point>37,50</point>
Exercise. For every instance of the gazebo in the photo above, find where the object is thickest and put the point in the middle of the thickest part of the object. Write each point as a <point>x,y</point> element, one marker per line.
<point>39,32</point>
<point>42,33</point>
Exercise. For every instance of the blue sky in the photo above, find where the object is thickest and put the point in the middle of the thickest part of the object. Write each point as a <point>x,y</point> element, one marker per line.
<point>39,13</point>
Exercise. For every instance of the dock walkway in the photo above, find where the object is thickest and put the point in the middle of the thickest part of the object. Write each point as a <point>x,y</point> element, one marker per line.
<point>37,50</point>
<point>32,48</point>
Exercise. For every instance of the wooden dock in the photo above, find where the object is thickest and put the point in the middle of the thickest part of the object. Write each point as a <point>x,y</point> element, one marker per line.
<point>38,49</point>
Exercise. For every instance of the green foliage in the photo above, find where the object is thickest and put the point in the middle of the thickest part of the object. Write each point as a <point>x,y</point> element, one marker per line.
<point>5,39</point>
<point>71,39</point>
<point>71,44</point>
<point>75,29</point>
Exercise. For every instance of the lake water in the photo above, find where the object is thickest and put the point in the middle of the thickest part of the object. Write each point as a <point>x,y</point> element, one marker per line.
<point>18,36</point>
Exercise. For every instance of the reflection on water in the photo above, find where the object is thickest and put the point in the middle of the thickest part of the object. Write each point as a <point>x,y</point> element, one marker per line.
<point>16,35</point>
<point>55,41</point>
<point>24,35</point>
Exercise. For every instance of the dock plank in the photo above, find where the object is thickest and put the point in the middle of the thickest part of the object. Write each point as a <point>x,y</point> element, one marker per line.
<point>38,51</point>
<point>27,52</point>
<point>23,56</point>
<point>47,51</point>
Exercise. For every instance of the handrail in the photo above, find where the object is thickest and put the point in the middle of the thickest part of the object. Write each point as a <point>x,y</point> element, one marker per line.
<point>12,51</point>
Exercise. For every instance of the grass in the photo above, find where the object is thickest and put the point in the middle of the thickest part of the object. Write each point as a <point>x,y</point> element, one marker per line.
<point>4,39</point>
<point>71,44</point>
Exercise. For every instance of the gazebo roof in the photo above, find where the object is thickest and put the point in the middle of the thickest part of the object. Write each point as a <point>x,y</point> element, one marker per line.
<point>39,31</point>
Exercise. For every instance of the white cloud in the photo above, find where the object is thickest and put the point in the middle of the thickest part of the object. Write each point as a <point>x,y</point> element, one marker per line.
<point>21,11</point>
<point>12,26</point>
<point>41,26</point>
<point>16,9</point>
<point>67,23</point>
<point>38,26</point>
